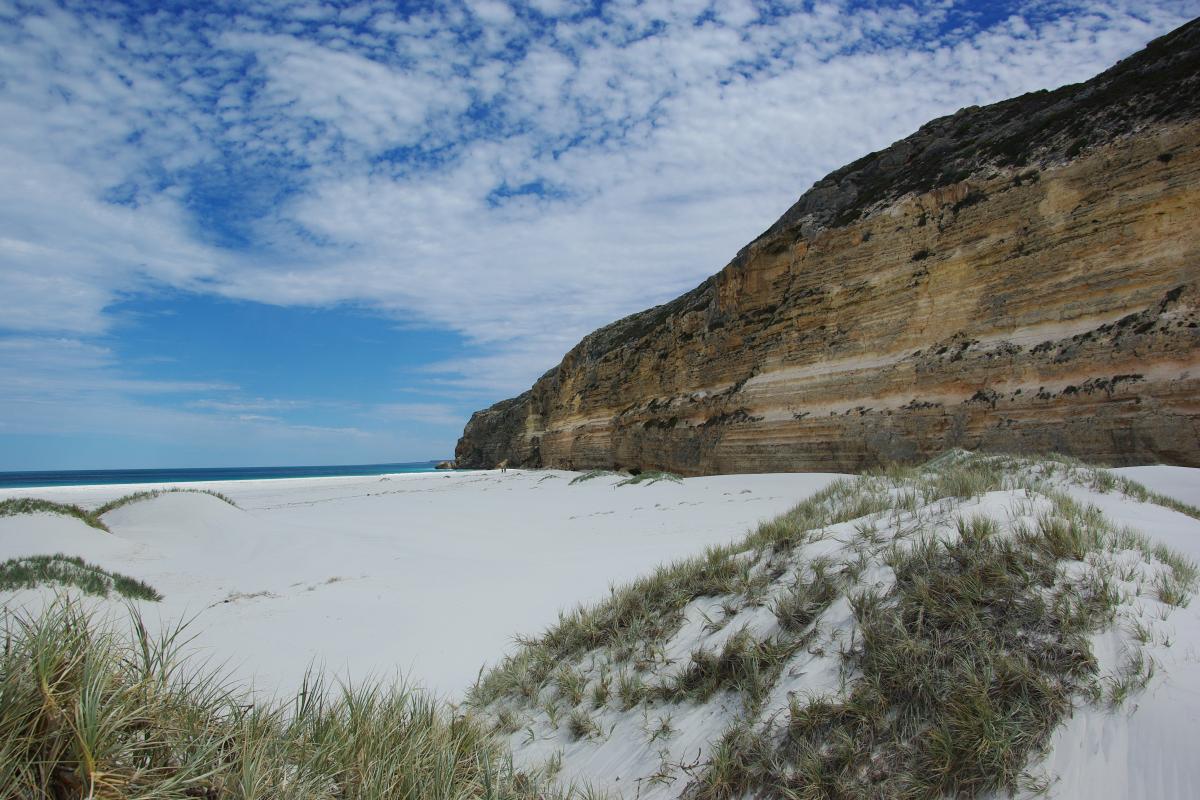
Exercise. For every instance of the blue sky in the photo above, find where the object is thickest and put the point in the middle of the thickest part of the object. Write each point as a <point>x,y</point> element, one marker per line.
<point>304,232</point>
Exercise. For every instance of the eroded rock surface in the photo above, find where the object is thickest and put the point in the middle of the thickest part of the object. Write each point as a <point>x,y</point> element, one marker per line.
<point>1019,277</point>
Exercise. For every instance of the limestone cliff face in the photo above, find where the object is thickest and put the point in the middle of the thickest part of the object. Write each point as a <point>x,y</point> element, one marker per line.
<point>1019,277</point>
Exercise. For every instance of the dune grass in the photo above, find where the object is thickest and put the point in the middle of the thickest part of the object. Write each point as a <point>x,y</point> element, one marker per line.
<point>743,664</point>
<point>140,497</point>
<point>33,571</point>
<point>964,668</point>
<point>956,669</point>
<point>592,475</point>
<point>34,505</point>
<point>650,477</point>
<point>1104,481</point>
<point>89,711</point>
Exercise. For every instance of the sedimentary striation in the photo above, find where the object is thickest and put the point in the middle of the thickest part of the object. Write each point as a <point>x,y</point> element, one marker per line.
<point>1023,277</point>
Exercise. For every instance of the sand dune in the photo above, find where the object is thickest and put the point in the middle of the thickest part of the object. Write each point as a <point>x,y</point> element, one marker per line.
<point>428,575</point>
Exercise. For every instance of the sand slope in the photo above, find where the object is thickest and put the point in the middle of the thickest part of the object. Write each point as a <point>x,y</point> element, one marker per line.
<point>429,575</point>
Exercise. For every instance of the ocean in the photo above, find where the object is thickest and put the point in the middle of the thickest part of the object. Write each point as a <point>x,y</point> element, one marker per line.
<point>94,477</point>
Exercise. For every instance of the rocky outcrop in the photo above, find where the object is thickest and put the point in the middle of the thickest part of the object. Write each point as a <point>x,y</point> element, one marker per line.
<point>1019,277</point>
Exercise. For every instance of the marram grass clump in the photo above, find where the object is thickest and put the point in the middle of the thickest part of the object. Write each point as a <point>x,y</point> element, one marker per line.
<point>650,477</point>
<point>592,475</point>
<point>35,505</point>
<point>90,711</point>
<point>30,572</point>
<point>16,506</point>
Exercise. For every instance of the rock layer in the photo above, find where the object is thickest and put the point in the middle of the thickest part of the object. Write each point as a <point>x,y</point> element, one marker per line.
<point>1020,277</point>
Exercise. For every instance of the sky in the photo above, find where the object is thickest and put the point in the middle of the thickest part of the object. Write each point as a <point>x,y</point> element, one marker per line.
<point>280,233</point>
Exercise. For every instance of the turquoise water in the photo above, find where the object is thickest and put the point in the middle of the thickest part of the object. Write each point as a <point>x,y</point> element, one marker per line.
<point>93,477</point>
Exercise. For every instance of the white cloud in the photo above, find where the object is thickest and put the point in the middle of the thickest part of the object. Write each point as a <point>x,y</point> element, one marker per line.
<point>556,8</point>
<point>360,106</point>
<point>251,405</point>
<point>519,187</point>
<point>492,12</point>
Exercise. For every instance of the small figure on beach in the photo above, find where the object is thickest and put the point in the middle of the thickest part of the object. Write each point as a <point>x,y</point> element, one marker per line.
<point>503,465</point>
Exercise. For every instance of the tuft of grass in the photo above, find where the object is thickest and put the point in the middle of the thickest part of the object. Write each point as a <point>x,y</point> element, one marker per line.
<point>1103,481</point>
<point>800,606</point>
<point>962,479</point>
<point>521,675</point>
<point>650,477</point>
<point>1134,675</point>
<point>34,505</point>
<point>743,664</point>
<point>1173,591</point>
<point>592,475</point>
<point>1176,586</point>
<point>739,760</point>
<point>571,684</point>
<point>89,712</point>
<point>861,504</point>
<point>630,689</point>
<point>661,729</point>
<point>581,725</point>
<point>977,529</point>
<point>1061,537</point>
<point>601,690</point>
<point>34,571</point>
<point>507,721</point>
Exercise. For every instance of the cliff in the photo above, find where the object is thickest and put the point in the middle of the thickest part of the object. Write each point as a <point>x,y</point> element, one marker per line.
<point>1022,277</point>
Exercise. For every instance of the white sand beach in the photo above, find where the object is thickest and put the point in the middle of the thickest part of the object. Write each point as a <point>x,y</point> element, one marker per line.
<point>424,575</point>
<point>429,577</point>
